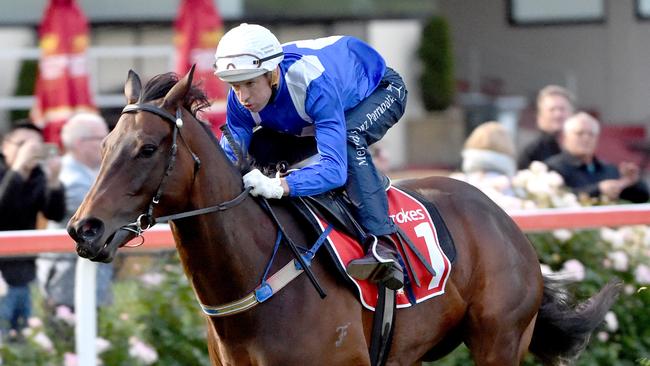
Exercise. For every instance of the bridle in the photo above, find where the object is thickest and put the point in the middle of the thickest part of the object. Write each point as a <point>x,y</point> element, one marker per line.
<point>146,220</point>
<point>267,286</point>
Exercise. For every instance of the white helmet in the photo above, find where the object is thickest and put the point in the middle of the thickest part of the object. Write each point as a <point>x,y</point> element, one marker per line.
<point>246,52</point>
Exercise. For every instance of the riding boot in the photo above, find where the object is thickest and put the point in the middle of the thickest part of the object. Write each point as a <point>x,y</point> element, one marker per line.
<point>380,264</point>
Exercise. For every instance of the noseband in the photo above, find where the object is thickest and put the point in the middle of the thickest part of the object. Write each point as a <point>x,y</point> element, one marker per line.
<point>146,220</point>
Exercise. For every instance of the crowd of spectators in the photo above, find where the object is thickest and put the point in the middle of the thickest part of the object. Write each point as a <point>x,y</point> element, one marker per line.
<point>81,137</point>
<point>566,143</point>
<point>35,180</point>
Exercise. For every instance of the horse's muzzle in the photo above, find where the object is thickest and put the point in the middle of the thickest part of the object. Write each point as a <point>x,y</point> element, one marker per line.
<point>87,233</point>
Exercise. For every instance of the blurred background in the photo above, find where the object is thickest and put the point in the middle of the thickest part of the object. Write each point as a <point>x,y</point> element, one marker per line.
<point>499,55</point>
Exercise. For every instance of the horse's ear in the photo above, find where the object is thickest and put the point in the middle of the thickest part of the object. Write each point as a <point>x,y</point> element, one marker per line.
<point>132,87</point>
<point>177,93</point>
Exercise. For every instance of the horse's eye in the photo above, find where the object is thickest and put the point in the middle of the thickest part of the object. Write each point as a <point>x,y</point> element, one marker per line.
<point>147,151</point>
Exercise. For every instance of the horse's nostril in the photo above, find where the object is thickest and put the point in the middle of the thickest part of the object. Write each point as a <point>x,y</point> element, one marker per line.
<point>88,229</point>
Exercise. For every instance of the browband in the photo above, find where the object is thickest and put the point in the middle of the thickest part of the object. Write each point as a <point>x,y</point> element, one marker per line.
<point>151,109</point>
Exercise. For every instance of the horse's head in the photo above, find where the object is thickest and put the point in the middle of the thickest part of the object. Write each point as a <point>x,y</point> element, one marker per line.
<point>145,160</point>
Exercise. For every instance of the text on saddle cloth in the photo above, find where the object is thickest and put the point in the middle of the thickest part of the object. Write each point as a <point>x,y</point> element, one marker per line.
<point>414,220</point>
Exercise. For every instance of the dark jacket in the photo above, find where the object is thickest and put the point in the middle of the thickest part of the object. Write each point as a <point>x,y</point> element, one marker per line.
<point>20,202</point>
<point>540,149</point>
<point>582,178</point>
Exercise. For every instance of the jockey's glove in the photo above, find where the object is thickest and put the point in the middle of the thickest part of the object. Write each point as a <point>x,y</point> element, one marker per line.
<point>263,185</point>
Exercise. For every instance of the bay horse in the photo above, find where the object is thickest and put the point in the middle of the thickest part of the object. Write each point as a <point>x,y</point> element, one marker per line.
<point>160,160</point>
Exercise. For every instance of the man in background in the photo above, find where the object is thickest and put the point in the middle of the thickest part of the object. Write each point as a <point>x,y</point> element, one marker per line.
<point>585,173</point>
<point>28,184</point>
<point>554,105</point>
<point>81,137</point>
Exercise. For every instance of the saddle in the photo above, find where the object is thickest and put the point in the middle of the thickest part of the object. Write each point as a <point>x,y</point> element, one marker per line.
<point>335,208</point>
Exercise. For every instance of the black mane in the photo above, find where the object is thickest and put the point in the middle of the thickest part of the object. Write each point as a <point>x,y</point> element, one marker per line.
<point>159,85</point>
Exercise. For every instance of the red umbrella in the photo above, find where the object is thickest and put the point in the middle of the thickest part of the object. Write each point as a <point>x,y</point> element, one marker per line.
<point>198,29</point>
<point>62,83</point>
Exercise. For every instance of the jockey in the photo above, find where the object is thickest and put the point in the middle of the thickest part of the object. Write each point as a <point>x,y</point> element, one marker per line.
<point>339,90</point>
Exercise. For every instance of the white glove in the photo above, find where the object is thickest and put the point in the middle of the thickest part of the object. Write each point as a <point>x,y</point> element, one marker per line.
<point>263,185</point>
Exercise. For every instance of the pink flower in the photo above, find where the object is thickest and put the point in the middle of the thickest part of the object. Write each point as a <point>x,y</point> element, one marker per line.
<point>538,187</point>
<point>170,268</point>
<point>603,336</point>
<point>102,344</point>
<point>152,279</point>
<point>614,237</point>
<point>554,179</point>
<point>64,313</point>
<point>607,263</point>
<point>44,341</point>
<point>573,270</point>
<point>26,332</point>
<point>611,321</point>
<point>142,351</point>
<point>34,322</point>
<point>70,359</point>
<point>620,261</point>
<point>529,205</point>
<point>538,167</point>
<point>562,234</point>
<point>642,274</point>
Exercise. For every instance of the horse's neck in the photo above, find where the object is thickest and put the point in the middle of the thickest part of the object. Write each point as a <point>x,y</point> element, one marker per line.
<point>224,253</point>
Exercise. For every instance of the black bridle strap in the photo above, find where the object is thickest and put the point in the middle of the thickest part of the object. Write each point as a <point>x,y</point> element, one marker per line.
<point>172,153</point>
<point>201,211</point>
<point>176,123</point>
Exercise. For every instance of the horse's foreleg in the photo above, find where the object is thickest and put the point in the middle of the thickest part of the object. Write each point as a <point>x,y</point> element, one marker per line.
<point>212,346</point>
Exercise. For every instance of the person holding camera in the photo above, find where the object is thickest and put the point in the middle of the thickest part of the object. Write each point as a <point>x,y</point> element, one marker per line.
<point>82,137</point>
<point>29,184</point>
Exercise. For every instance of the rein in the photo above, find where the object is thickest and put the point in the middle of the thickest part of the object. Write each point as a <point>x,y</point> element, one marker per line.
<point>146,220</point>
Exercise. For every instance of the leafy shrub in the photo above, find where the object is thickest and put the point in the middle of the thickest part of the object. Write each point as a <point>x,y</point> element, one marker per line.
<point>587,258</point>
<point>155,319</point>
<point>437,80</point>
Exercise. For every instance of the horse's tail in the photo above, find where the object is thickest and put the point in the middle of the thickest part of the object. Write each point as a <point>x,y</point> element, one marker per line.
<point>563,329</point>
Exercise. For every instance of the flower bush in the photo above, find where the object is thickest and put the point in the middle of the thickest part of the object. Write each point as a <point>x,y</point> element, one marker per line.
<point>154,320</point>
<point>587,259</point>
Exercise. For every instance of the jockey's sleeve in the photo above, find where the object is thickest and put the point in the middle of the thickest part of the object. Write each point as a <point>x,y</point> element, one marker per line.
<point>240,123</point>
<point>324,105</point>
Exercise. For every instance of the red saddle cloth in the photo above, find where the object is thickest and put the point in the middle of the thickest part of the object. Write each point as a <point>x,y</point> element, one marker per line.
<point>413,218</point>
